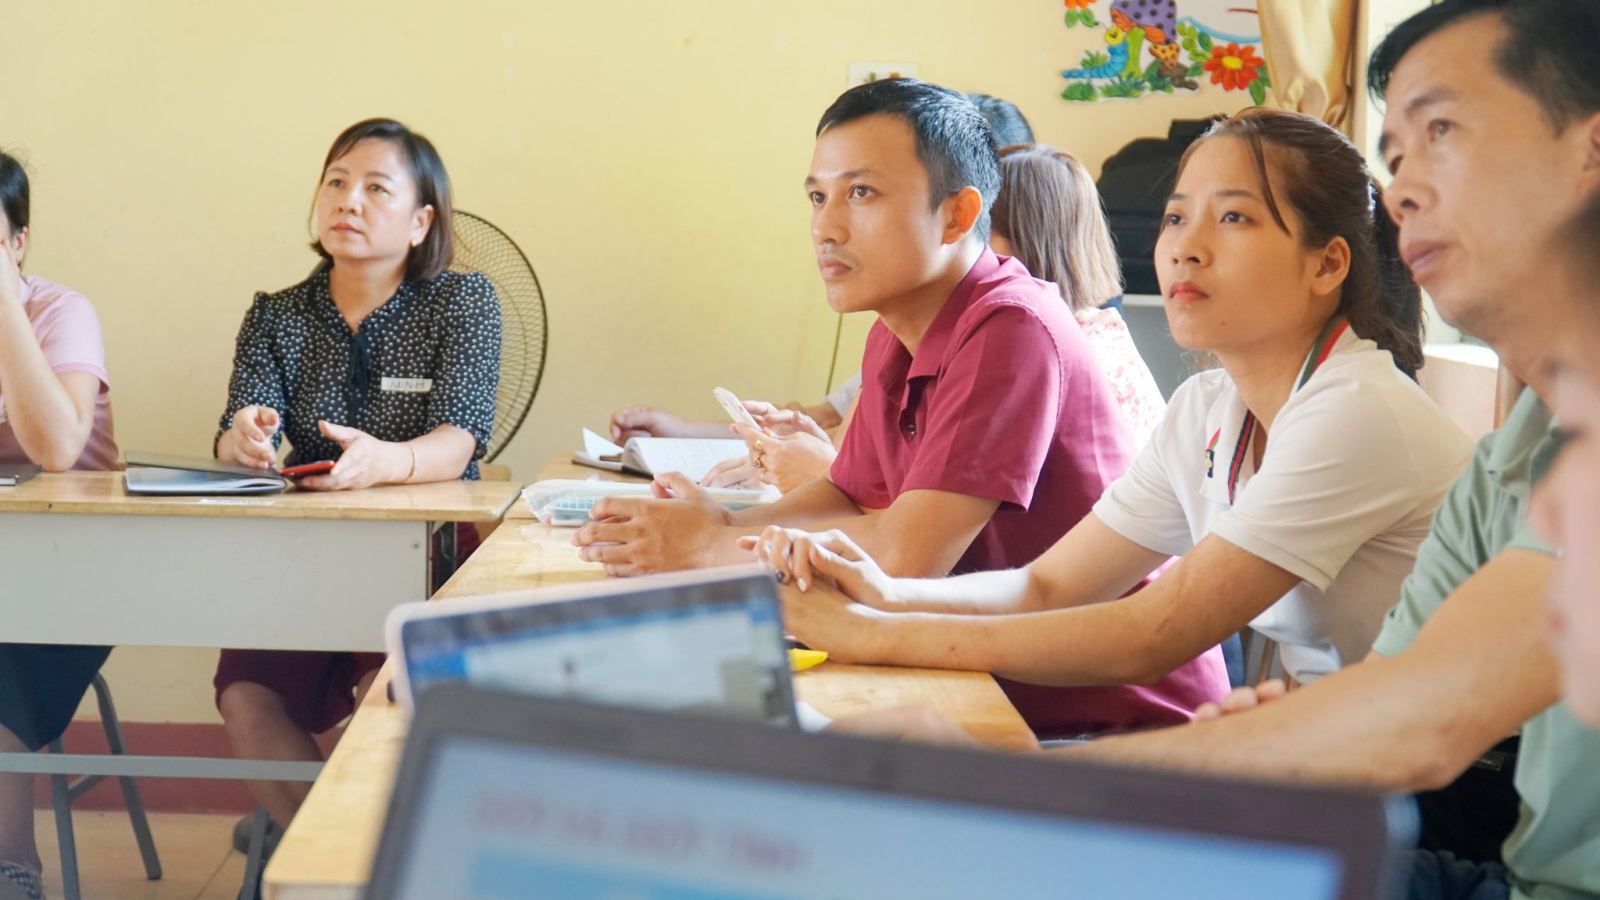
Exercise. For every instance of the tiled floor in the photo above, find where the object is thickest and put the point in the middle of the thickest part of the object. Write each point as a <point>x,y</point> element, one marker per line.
<point>197,857</point>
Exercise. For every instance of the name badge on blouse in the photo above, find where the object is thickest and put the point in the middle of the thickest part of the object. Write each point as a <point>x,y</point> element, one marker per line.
<point>408,385</point>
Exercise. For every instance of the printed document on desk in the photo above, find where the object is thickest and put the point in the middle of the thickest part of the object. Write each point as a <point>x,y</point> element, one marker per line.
<point>650,456</point>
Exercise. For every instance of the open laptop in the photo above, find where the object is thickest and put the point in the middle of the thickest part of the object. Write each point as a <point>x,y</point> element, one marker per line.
<point>707,641</point>
<point>505,796</point>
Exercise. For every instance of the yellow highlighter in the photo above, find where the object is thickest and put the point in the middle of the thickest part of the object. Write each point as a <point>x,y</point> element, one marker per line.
<point>801,660</point>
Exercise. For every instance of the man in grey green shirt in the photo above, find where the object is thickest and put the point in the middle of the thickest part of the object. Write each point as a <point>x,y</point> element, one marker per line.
<point>1555,850</point>
<point>1492,133</point>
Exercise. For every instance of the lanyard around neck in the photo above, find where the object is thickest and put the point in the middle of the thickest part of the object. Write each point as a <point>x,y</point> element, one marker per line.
<point>1320,351</point>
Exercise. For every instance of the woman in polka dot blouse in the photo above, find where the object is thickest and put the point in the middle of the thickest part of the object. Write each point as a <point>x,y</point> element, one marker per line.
<point>384,361</point>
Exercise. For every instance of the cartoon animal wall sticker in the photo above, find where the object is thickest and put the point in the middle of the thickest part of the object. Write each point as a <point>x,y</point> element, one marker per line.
<point>1155,47</point>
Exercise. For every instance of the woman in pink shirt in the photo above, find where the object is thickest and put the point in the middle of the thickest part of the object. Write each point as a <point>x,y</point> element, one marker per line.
<point>55,413</point>
<point>1048,216</point>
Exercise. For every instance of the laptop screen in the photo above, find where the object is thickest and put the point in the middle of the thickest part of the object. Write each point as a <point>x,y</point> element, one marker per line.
<point>496,820</point>
<point>715,646</point>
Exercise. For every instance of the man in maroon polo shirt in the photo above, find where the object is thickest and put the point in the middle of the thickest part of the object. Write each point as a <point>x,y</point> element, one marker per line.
<point>985,429</point>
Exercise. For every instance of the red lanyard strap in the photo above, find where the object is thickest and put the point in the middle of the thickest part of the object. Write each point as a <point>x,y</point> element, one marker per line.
<point>1320,352</point>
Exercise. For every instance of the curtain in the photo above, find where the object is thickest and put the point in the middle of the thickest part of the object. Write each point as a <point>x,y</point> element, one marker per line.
<point>1310,48</point>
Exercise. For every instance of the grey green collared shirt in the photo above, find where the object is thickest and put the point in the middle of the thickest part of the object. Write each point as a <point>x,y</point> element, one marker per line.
<point>1554,853</point>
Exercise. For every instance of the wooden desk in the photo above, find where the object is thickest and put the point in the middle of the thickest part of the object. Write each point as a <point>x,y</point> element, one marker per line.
<point>85,563</point>
<point>101,493</point>
<point>328,850</point>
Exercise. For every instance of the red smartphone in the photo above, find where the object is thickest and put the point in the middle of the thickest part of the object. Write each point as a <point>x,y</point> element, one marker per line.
<point>316,468</point>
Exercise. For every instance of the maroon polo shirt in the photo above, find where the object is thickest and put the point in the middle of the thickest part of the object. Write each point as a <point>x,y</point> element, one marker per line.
<point>1004,400</point>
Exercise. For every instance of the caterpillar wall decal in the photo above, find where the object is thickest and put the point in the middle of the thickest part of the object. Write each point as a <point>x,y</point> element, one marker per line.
<point>1153,46</point>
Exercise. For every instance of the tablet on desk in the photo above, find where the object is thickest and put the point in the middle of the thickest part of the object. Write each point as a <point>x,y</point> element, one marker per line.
<point>14,474</point>
<point>155,474</point>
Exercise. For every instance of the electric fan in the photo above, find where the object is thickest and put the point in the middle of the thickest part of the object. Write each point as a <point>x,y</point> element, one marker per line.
<point>481,247</point>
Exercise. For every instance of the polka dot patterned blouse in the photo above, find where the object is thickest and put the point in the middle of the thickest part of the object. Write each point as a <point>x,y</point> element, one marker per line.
<point>430,356</point>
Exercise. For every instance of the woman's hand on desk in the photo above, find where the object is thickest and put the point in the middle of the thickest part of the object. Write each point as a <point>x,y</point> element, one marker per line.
<point>805,558</point>
<point>825,619</point>
<point>248,440</point>
<point>363,461</point>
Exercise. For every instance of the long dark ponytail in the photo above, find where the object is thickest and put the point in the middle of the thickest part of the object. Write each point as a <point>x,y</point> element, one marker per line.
<point>1333,194</point>
<point>1394,318</point>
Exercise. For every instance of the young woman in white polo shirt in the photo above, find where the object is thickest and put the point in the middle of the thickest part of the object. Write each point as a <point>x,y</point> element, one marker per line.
<point>1294,482</point>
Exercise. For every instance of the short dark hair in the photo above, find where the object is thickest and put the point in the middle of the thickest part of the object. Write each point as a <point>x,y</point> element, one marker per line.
<point>1549,52</point>
<point>954,141</point>
<point>1009,124</point>
<point>14,194</point>
<point>433,255</point>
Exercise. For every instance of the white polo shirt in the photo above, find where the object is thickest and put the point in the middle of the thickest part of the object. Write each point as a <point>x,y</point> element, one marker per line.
<point>1356,463</point>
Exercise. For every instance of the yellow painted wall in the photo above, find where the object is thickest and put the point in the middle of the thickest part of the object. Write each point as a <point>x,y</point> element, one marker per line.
<point>1381,16</point>
<point>647,157</point>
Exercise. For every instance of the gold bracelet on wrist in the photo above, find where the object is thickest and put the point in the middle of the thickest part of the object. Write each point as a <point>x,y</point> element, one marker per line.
<point>412,473</point>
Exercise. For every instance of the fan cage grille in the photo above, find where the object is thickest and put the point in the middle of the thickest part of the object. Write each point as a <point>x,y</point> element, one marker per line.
<point>481,247</point>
